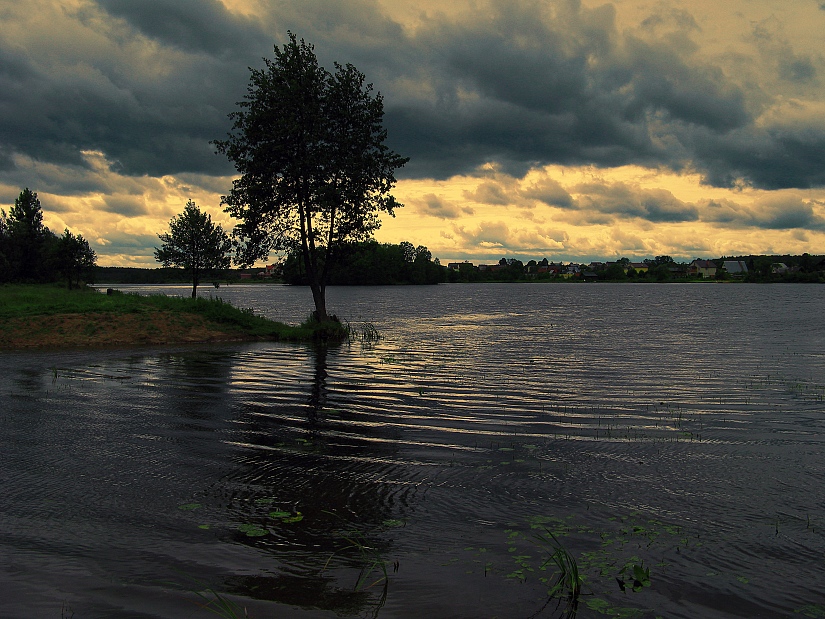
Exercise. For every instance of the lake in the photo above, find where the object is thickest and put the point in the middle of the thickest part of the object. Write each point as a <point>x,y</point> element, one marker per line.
<point>666,440</point>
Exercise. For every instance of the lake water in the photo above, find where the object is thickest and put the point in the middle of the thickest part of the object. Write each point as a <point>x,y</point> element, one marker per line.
<point>674,428</point>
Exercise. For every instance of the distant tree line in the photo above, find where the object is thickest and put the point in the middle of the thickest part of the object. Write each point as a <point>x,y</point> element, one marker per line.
<point>30,252</point>
<point>370,263</point>
<point>760,269</point>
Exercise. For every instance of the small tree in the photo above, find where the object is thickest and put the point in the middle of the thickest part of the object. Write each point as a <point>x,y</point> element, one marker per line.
<point>315,172</point>
<point>195,244</point>
<point>74,257</point>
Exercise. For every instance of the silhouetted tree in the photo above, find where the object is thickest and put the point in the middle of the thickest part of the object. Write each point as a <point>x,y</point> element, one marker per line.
<point>74,257</point>
<point>5,248</point>
<point>195,244</point>
<point>315,172</point>
<point>27,238</point>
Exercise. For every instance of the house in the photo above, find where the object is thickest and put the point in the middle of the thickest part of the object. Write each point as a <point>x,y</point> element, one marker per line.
<point>735,268</point>
<point>705,269</point>
<point>639,267</point>
<point>779,268</point>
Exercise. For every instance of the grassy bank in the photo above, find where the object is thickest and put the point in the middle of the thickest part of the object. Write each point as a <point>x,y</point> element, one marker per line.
<point>51,316</point>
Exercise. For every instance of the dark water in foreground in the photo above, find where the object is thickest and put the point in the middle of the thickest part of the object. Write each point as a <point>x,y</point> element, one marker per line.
<point>677,428</point>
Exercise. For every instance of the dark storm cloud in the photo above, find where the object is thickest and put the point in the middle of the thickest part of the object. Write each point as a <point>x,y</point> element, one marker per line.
<point>621,200</point>
<point>778,213</point>
<point>135,247</point>
<point>549,192</point>
<point>520,83</point>
<point>767,159</point>
<point>200,26</point>
<point>128,206</point>
<point>524,91</point>
<point>145,119</point>
<point>778,50</point>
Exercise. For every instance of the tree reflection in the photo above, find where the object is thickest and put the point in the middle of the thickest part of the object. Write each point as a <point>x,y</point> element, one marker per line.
<point>313,487</point>
<point>318,393</point>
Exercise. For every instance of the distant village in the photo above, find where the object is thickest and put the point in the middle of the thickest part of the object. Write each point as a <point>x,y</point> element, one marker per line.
<point>662,268</point>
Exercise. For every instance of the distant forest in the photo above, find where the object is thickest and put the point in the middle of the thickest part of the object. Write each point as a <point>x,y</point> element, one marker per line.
<point>364,264</point>
<point>373,263</point>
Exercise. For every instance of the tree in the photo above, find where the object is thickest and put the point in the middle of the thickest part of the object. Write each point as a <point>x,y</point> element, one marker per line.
<point>5,249</point>
<point>27,237</point>
<point>315,172</point>
<point>195,244</point>
<point>74,257</point>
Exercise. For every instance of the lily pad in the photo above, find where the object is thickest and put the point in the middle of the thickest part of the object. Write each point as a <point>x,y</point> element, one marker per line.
<point>296,518</point>
<point>190,506</point>
<point>252,530</point>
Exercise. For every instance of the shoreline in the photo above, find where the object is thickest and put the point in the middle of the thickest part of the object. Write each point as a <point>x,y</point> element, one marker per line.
<point>107,329</point>
<point>44,316</point>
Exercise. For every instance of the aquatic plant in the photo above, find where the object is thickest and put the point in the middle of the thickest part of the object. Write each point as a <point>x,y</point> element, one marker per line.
<point>220,605</point>
<point>567,586</point>
<point>371,561</point>
<point>213,601</point>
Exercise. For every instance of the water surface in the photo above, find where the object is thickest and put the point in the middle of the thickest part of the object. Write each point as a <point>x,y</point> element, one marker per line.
<point>673,427</point>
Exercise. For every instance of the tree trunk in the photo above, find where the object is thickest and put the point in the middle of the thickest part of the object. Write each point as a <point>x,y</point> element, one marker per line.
<point>319,296</point>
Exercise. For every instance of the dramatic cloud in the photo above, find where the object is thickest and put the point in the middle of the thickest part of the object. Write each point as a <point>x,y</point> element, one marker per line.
<point>654,205</point>
<point>110,105</point>
<point>434,206</point>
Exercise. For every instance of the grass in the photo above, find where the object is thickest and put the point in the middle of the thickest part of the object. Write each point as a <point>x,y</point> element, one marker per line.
<point>33,302</point>
<point>567,585</point>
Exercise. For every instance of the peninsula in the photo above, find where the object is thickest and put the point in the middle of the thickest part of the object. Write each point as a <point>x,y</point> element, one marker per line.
<point>50,316</point>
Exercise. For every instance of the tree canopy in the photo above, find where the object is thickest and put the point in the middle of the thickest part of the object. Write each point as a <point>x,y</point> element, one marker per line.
<point>74,257</point>
<point>315,171</point>
<point>30,252</point>
<point>195,244</point>
<point>370,263</point>
<point>26,239</point>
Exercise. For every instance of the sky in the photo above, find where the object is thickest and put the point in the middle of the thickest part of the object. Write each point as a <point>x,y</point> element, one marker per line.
<point>566,129</point>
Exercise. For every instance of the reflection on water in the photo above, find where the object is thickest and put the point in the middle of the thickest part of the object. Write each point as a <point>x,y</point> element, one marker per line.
<point>676,429</point>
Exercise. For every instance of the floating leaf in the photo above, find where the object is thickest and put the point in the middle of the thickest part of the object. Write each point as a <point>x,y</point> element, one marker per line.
<point>190,506</point>
<point>266,501</point>
<point>296,518</point>
<point>280,514</point>
<point>393,522</point>
<point>252,530</point>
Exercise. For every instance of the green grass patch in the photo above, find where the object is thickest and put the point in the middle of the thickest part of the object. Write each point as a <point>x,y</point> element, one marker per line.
<point>24,301</point>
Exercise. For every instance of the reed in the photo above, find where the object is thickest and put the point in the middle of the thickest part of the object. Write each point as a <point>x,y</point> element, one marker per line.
<point>567,584</point>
